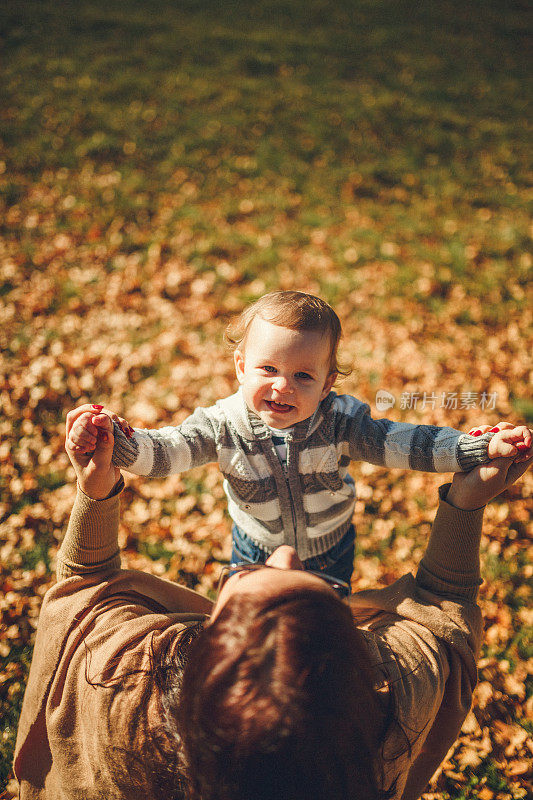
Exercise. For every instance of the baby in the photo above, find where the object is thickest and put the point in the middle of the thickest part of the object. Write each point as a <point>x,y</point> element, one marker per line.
<point>284,440</point>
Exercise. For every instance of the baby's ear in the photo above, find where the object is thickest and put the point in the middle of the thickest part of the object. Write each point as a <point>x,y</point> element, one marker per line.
<point>330,380</point>
<point>238,359</point>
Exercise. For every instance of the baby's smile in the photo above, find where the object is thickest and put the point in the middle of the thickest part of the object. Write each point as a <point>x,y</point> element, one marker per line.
<point>280,408</point>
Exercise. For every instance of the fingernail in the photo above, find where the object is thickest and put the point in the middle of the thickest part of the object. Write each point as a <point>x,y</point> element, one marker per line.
<point>522,446</point>
<point>494,430</point>
<point>476,433</point>
<point>97,407</point>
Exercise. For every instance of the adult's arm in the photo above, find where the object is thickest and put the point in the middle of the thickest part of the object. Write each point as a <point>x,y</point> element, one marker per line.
<point>103,627</point>
<point>448,577</point>
<point>425,634</point>
<point>91,540</point>
<point>450,565</point>
<point>91,545</point>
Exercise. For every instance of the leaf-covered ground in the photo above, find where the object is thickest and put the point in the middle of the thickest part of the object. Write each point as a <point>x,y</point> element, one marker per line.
<point>161,165</point>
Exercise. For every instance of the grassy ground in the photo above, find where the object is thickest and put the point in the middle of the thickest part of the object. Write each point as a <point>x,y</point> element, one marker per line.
<point>161,164</point>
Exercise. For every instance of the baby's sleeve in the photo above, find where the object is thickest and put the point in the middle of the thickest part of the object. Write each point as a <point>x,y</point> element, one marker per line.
<point>170,450</point>
<point>426,448</point>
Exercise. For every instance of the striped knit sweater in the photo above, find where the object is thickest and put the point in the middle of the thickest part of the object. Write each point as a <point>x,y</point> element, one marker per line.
<point>310,503</point>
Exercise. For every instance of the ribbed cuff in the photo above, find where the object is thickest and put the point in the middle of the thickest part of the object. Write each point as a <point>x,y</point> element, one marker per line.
<point>473,450</point>
<point>91,540</point>
<point>451,561</point>
<point>125,451</point>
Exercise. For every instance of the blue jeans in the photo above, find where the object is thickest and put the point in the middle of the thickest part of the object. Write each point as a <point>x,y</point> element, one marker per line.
<point>337,562</point>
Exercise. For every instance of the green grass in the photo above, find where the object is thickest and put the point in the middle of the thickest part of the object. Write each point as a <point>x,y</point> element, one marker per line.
<point>11,695</point>
<point>156,551</point>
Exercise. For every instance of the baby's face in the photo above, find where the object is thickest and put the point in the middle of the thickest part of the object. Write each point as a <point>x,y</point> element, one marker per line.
<point>284,374</point>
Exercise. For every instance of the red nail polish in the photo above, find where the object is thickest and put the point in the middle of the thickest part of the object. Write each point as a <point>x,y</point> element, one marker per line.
<point>97,407</point>
<point>522,446</point>
<point>494,430</point>
<point>476,433</point>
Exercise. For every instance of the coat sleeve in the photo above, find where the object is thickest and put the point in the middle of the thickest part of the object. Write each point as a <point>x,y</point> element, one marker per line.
<point>90,550</point>
<point>427,633</point>
<point>90,544</point>
<point>432,678</point>
<point>170,450</point>
<point>426,448</point>
<point>449,573</point>
<point>87,705</point>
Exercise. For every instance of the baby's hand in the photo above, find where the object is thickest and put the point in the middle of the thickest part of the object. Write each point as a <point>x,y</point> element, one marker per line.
<point>508,442</point>
<point>92,424</point>
<point>90,448</point>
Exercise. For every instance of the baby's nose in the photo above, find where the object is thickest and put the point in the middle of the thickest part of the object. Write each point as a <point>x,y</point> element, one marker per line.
<point>282,384</point>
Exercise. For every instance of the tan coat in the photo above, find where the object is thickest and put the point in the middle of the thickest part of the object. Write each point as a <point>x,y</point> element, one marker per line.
<point>84,711</point>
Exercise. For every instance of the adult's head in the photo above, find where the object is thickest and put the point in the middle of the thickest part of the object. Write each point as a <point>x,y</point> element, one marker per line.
<point>277,699</point>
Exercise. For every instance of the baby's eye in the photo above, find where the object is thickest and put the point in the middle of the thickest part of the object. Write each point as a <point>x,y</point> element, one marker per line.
<point>268,368</point>
<point>304,376</point>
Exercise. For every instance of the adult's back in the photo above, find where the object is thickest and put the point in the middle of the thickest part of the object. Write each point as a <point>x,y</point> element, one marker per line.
<point>132,693</point>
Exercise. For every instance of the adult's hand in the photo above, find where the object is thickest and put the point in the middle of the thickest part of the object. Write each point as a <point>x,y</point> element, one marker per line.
<point>470,490</point>
<point>95,473</point>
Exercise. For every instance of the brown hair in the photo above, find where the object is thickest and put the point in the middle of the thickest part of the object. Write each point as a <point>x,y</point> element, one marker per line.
<point>295,310</point>
<point>277,701</point>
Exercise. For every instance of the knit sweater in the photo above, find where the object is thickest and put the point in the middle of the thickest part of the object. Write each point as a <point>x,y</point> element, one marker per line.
<point>308,502</point>
<point>88,718</point>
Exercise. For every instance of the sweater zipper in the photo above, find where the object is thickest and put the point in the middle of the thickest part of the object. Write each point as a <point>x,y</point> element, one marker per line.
<point>280,475</point>
<point>286,473</point>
